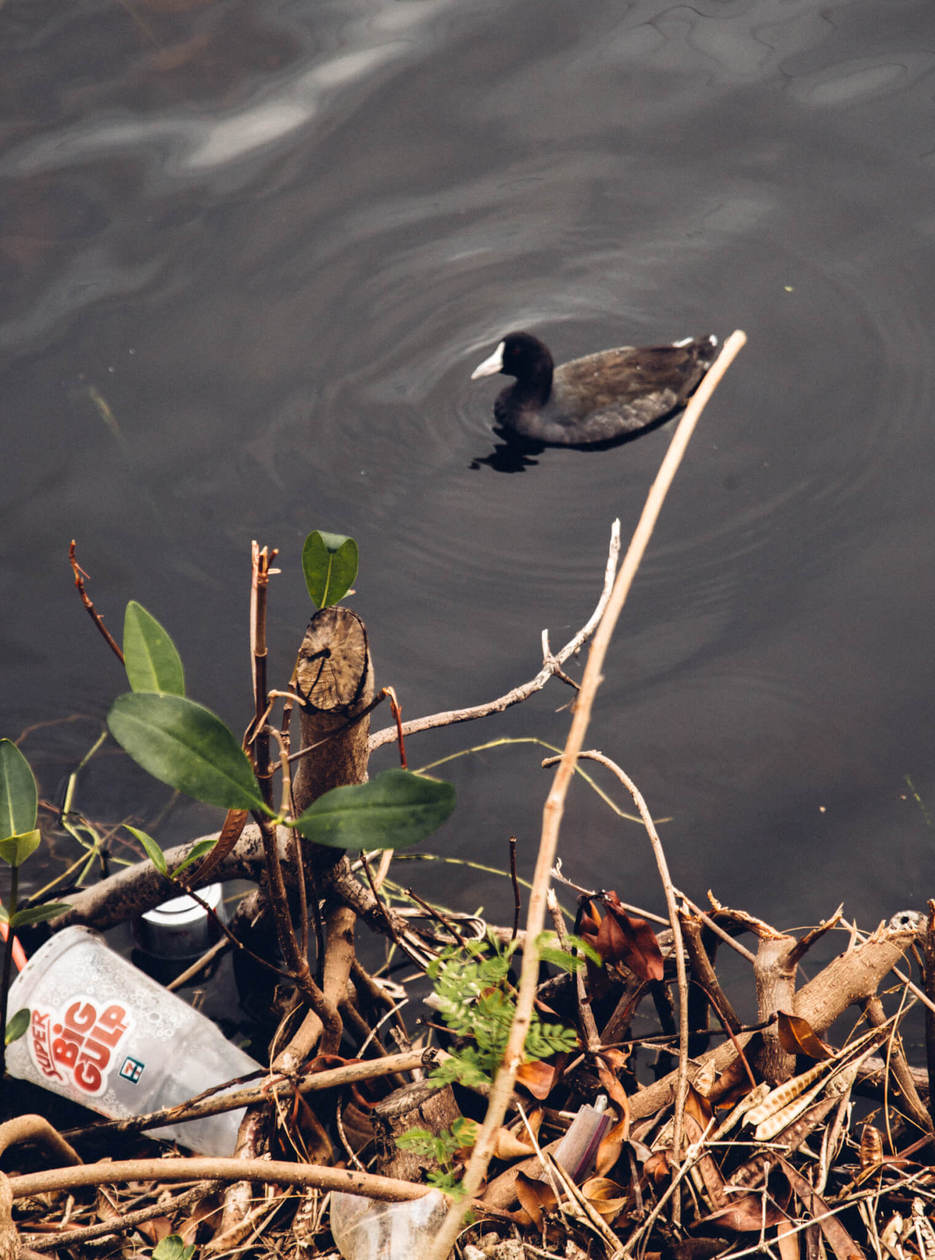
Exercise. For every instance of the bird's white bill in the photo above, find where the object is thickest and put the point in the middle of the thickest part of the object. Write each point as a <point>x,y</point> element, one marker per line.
<point>489,366</point>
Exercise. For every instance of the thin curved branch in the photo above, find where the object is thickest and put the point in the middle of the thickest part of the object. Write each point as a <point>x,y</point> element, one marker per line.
<point>552,813</point>
<point>681,1091</point>
<point>203,1167</point>
<point>551,666</point>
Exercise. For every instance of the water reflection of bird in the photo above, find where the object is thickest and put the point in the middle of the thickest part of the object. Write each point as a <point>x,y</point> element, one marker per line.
<point>598,399</point>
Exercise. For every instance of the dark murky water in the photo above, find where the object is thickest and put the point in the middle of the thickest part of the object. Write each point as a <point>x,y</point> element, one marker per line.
<point>250,256</point>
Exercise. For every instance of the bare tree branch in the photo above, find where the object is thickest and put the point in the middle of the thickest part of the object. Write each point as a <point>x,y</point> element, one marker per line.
<point>551,667</point>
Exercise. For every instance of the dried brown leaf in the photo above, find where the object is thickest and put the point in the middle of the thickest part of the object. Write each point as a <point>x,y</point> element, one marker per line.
<point>616,1091</point>
<point>620,937</point>
<point>611,1146</point>
<point>156,1229</point>
<point>797,1036</point>
<point>207,1211</point>
<point>788,1243</point>
<point>234,822</point>
<point>537,1077</point>
<point>658,1167</point>
<point>746,1214</point>
<point>512,1145</point>
<point>699,1108</point>
<point>605,1196</point>
<point>535,1198</point>
<point>836,1236</point>
<point>734,1082</point>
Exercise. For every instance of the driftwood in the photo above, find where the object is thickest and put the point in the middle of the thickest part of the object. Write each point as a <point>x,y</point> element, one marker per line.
<point>774,977</point>
<point>849,978</point>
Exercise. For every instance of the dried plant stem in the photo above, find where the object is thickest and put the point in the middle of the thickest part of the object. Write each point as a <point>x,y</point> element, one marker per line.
<point>202,1167</point>
<point>678,948</point>
<point>587,1026</point>
<point>873,1009</point>
<point>296,963</point>
<point>551,663</point>
<point>95,616</point>
<point>274,1087</point>
<point>716,928</point>
<point>553,810</point>
<point>123,1223</point>
<point>261,559</point>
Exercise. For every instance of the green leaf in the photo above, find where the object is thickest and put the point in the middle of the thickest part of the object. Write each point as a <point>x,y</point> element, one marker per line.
<point>197,851</point>
<point>187,746</point>
<point>16,849</point>
<point>150,656</point>
<point>392,811</point>
<point>550,951</point>
<point>19,799</point>
<point>37,914</point>
<point>172,1247</point>
<point>16,1025</point>
<point>329,562</point>
<point>153,851</point>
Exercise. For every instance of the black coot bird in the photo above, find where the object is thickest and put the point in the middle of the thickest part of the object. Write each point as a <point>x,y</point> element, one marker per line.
<point>599,398</point>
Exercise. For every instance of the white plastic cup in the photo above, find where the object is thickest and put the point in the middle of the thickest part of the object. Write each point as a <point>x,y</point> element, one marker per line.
<point>103,1034</point>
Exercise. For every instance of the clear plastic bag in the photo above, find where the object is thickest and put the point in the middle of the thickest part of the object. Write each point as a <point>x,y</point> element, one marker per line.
<point>367,1229</point>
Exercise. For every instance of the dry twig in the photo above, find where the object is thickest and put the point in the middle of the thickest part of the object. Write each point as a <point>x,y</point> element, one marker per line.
<point>550,668</point>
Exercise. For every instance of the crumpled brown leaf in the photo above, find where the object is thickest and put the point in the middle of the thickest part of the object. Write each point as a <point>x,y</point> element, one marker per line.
<point>745,1214</point>
<point>605,1196</point>
<point>537,1077</point>
<point>516,1143</point>
<point>611,1147</point>
<point>535,1197</point>
<point>620,937</point>
<point>797,1036</point>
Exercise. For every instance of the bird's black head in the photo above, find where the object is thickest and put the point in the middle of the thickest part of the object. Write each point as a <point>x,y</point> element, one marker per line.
<point>519,354</point>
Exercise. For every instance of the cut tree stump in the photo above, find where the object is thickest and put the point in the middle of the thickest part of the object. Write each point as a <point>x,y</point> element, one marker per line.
<point>334,677</point>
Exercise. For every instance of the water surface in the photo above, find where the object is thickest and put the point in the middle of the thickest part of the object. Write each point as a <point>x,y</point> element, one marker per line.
<point>250,258</point>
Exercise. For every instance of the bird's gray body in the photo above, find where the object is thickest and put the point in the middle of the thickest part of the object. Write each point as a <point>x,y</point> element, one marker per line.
<point>598,398</point>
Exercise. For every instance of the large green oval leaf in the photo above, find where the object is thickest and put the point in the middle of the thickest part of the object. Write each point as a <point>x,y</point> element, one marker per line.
<point>392,811</point>
<point>38,914</point>
<point>150,656</point>
<point>329,562</point>
<point>19,800</point>
<point>187,746</point>
<point>16,849</point>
